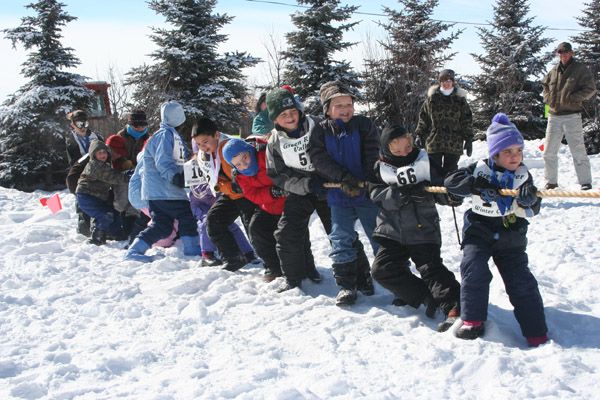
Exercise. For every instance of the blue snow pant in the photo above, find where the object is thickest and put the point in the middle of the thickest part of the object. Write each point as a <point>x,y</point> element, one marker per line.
<point>163,214</point>
<point>105,217</point>
<point>507,248</point>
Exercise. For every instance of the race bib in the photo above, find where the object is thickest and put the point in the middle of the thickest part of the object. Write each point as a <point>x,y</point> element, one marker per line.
<point>491,209</point>
<point>415,172</point>
<point>295,153</point>
<point>193,174</point>
<point>178,150</point>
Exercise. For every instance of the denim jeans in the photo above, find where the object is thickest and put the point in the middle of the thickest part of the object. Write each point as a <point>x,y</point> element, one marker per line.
<point>343,235</point>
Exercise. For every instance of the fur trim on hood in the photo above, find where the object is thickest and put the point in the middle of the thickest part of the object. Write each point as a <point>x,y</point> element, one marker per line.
<point>460,92</point>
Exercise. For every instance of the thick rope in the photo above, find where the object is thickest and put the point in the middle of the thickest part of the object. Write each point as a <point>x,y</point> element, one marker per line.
<point>507,192</point>
<point>540,193</point>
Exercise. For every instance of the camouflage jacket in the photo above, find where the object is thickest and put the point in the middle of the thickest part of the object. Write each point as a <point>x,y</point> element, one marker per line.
<point>445,122</point>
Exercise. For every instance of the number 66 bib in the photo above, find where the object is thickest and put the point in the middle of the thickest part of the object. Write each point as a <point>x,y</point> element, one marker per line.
<point>417,171</point>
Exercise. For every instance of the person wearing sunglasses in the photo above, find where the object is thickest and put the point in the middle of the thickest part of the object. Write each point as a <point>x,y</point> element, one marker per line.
<point>567,85</point>
<point>78,144</point>
<point>80,137</point>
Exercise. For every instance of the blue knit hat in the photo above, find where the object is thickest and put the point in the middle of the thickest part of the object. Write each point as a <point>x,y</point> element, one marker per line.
<point>233,147</point>
<point>502,134</point>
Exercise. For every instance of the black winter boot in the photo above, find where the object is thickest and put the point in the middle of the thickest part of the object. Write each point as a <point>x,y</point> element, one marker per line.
<point>289,285</point>
<point>234,263</point>
<point>345,277</point>
<point>83,224</point>
<point>98,237</point>
<point>364,281</point>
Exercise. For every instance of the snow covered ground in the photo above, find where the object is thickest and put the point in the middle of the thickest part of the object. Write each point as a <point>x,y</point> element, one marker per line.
<point>77,322</point>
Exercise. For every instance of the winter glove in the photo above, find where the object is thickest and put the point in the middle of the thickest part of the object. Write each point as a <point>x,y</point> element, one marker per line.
<point>468,147</point>
<point>178,180</point>
<point>527,196</point>
<point>453,200</point>
<point>414,192</point>
<point>489,195</point>
<point>277,192</point>
<point>481,184</point>
<point>350,186</point>
<point>315,186</point>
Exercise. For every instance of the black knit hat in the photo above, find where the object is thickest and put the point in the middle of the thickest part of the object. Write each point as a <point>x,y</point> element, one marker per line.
<point>332,89</point>
<point>77,115</point>
<point>137,118</point>
<point>279,100</point>
<point>446,74</point>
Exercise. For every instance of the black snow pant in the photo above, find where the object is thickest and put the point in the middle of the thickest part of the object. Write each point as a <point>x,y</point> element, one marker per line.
<point>262,229</point>
<point>223,213</point>
<point>293,231</point>
<point>446,161</point>
<point>391,270</point>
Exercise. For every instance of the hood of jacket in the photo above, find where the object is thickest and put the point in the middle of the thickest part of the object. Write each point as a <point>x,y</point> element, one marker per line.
<point>458,91</point>
<point>96,146</point>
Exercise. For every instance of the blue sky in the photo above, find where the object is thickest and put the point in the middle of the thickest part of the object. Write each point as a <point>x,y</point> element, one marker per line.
<point>115,33</point>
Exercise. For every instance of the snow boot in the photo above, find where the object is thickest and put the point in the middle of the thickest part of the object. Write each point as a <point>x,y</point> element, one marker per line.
<point>252,259</point>
<point>209,259</point>
<point>535,341</point>
<point>364,281</point>
<point>271,274</point>
<point>289,285</point>
<point>345,297</point>
<point>234,263</point>
<point>470,330</point>
<point>430,306</point>
<point>191,245</point>
<point>136,251</point>
<point>98,237</point>
<point>83,223</point>
<point>451,318</point>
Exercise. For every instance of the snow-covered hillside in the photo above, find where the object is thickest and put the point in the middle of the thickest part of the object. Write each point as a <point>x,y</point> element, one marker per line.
<point>77,322</point>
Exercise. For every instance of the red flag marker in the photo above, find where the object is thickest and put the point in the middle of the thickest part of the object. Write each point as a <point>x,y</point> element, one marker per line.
<point>541,147</point>
<point>52,202</point>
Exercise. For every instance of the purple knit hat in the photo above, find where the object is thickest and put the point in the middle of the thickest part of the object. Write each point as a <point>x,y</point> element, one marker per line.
<point>502,134</point>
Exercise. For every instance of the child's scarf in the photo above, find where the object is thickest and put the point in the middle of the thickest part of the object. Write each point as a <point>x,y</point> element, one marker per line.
<point>506,182</point>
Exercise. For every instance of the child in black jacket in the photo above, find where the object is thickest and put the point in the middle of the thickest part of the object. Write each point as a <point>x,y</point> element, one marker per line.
<point>408,227</point>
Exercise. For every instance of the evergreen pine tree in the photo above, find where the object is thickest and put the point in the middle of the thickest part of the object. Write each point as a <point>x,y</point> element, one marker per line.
<point>188,67</point>
<point>511,68</point>
<point>396,83</point>
<point>311,48</point>
<point>33,120</point>
<point>588,52</point>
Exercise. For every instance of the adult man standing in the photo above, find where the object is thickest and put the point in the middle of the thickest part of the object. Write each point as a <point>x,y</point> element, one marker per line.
<point>566,87</point>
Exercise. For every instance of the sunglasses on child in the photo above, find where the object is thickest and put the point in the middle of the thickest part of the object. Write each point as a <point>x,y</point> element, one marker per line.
<point>81,124</point>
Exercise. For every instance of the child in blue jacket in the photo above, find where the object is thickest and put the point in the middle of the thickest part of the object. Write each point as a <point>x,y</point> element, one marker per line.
<point>163,187</point>
<point>343,149</point>
<point>496,227</point>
